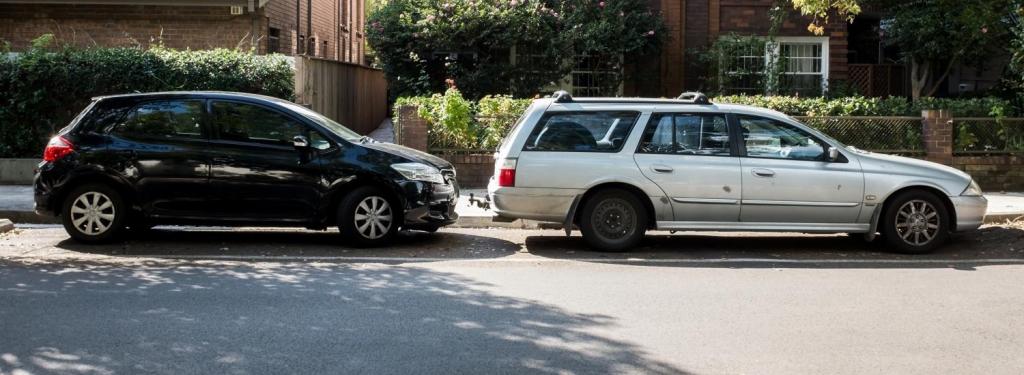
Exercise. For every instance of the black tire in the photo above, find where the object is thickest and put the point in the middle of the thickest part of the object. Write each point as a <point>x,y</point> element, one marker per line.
<point>613,220</point>
<point>357,230</point>
<point>89,219</point>
<point>909,226</point>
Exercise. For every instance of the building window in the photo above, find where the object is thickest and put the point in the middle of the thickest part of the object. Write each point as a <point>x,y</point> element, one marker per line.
<point>789,66</point>
<point>804,65</point>
<point>273,40</point>
<point>591,75</point>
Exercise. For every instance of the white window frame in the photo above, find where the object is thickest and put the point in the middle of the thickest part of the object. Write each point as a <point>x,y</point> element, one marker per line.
<point>774,49</point>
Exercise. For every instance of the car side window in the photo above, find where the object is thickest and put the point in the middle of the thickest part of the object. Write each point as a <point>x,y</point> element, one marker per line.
<point>686,134</point>
<point>768,138</point>
<point>163,119</point>
<point>594,131</point>
<point>250,123</point>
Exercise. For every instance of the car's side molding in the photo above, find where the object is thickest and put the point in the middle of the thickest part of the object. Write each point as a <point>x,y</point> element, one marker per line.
<point>757,202</point>
<point>763,227</point>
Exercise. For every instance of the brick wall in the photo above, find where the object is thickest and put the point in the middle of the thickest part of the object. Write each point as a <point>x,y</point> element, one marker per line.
<point>333,22</point>
<point>993,173</point>
<point>474,170</point>
<point>194,27</point>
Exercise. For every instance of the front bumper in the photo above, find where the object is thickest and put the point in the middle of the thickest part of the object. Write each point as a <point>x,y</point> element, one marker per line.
<point>970,211</point>
<point>430,206</point>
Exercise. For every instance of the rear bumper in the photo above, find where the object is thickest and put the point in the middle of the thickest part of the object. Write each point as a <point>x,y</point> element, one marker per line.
<point>970,212</point>
<point>540,204</point>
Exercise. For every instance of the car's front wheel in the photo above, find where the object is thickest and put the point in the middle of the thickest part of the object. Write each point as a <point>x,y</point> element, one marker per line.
<point>613,220</point>
<point>916,222</point>
<point>94,213</point>
<point>366,217</point>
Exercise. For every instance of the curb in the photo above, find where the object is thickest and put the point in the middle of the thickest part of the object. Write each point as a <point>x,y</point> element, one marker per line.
<point>6,225</point>
<point>468,222</point>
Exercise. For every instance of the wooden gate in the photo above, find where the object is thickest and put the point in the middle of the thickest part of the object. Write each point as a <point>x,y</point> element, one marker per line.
<point>353,95</point>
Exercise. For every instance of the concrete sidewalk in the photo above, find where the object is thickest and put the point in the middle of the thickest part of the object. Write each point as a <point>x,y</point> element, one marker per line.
<point>16,204</point>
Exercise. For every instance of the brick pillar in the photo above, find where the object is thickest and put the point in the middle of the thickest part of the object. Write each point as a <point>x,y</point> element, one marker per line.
<point>937,134</point>
<point>411,129</point>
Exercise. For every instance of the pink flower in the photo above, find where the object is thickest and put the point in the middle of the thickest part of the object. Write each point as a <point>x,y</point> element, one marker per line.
<point>984,30</point>
<point>601,4</point>
<point>430,18</point>
<point>513,3</point>
<point>650,33</point>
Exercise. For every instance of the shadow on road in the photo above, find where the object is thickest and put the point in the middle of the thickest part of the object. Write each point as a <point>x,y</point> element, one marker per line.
<point>290,318</point>
<point>270,243</point>
<point>992,245</point>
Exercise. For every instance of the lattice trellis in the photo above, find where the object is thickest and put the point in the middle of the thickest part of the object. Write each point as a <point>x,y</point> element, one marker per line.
<point>986,135</point>
<point>893,135</point>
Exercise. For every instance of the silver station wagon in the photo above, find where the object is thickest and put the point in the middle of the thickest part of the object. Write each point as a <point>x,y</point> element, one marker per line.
<point>616,167</point>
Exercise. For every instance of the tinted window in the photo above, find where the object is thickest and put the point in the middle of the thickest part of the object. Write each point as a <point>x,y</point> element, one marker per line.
<point>686,134</point>
<point>250,123</point>
<point>767,138</point>
<point>164,119</point>
<point>581,132</point>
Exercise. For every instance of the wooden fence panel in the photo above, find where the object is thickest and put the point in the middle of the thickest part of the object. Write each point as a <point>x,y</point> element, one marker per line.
<point>353,95</point>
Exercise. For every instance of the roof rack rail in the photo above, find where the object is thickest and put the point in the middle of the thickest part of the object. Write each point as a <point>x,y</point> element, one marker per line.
<point>562,96</point>
<point>694,97</point>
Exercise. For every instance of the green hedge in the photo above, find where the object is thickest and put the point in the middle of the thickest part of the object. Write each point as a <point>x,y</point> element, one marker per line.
<point>42,89</point>
<point>861,106</point>
<point>461,124</point>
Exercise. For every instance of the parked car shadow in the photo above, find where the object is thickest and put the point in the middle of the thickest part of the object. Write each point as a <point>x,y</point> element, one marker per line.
<point>175,317</point>
<point>276,242</point>
<point>991,245</point>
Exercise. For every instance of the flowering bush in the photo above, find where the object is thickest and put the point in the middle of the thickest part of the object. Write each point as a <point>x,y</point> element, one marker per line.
<point>420,43</point>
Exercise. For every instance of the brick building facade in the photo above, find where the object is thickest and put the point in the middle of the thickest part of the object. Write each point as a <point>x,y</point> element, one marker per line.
<point>283,26</point>
<point>695,24</point>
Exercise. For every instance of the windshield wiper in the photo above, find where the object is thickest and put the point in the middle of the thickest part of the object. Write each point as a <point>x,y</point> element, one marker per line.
<point>367,139</point>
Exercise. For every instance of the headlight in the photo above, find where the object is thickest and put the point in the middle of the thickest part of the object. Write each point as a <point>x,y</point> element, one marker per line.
<point>419,172</point>
<point>972,190</point>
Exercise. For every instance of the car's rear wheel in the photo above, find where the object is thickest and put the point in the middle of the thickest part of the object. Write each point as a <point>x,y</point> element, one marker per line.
<point>94,213</point>
<point>367,217</point>
<point>916,222</point>
<point>613,220</point>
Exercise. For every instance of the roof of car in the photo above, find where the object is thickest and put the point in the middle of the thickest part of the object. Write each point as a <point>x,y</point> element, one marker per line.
<point>669,104</point>
<point>196,94</point>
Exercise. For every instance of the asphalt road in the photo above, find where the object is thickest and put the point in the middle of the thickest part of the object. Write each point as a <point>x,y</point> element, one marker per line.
<point>505,301</point>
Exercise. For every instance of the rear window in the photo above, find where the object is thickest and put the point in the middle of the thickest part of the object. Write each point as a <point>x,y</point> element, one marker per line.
<point>595,131</point>
<point>163,119</point>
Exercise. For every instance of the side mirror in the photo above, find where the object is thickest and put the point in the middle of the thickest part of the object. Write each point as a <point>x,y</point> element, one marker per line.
<point>300,142</point>
<point>833,154</point>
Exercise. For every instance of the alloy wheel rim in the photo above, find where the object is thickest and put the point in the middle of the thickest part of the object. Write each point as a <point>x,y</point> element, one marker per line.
<point>917,222</point>
<point>373,217</point>
<point>93,213</point>
<point>614,219</point>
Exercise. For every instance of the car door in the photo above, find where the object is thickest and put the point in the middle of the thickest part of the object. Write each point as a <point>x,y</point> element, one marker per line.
<point>787,177</point>
<point>690,156</point>
<point>161,147</point>
<point>255,170</point>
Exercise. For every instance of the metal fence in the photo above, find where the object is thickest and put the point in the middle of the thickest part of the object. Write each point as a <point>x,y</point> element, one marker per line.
<point>891,135</point>
<point>988,135</point>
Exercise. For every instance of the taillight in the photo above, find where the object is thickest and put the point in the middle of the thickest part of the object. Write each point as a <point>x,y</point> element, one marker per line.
<point>57,148</point>
<point>507,173</point>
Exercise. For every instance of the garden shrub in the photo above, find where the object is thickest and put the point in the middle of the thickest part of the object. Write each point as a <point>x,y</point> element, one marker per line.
<point>43,88</point>
<point>421,43</point>
<point>458,123</point>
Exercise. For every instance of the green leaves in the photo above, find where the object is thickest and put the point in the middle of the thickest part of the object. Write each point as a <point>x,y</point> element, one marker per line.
<point>420,43</point>
<point>42,89</point>
<point>862,106</point>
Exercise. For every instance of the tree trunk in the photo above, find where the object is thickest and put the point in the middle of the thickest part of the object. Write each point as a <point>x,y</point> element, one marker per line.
<point>938,82</point>
<point>919,72</point>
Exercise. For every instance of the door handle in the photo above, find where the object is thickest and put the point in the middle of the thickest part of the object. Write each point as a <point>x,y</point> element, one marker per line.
<point>761,172</point>
<point>661,168</point>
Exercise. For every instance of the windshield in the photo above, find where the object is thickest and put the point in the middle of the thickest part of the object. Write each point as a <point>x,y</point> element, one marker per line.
<point>334,127</point>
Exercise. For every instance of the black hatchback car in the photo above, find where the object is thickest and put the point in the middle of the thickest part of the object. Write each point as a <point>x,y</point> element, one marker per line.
<point>219,158</point>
